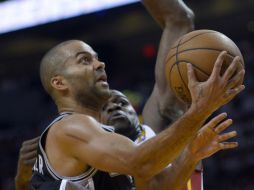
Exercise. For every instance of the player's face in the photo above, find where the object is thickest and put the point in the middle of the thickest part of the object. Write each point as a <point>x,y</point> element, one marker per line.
<point>85,74</point>
<point>118,112</point>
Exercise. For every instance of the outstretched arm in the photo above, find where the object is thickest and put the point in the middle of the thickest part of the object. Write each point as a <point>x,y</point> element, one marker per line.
<point>175,19</point>
<point>207,142</point>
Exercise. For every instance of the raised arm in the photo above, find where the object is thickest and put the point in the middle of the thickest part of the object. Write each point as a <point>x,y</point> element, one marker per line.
<point>207,142</point>
<point>175,19</point>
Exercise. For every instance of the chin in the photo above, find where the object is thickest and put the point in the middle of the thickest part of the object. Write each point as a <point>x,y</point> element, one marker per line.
<point>121,129</point>
<point>104,93</point>
<point>119,124</point>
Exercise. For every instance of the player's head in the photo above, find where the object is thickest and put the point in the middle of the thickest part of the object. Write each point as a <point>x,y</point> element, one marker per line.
<point>72,69</point>
<point>118,112</point>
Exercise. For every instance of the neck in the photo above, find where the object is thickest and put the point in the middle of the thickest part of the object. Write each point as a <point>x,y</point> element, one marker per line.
<point>132,133</point>
<point>70,106</point>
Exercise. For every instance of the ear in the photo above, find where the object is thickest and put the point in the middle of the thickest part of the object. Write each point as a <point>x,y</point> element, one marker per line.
<point>59,83</point>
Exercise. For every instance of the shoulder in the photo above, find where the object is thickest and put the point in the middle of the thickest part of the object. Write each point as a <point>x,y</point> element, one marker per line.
<point>76,126</point>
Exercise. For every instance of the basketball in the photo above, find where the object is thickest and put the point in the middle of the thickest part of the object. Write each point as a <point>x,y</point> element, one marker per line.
<point>200,48</point>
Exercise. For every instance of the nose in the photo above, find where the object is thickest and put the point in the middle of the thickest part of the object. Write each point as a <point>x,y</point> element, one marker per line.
<point>98,65</point>
<point>113,106</point>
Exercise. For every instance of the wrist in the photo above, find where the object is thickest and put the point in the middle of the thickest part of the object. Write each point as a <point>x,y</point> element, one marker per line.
<point>21,179</point>
<point>191,157</point>
<point>197,114</point>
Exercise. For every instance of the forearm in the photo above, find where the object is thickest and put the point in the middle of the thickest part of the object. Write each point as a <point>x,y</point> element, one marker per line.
<point>174,176</point>
<point>20,183</point>
<point>177,175</point>
<point>155,154</point>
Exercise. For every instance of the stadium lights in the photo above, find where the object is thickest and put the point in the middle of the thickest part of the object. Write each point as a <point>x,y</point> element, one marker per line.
<point>19,14</point>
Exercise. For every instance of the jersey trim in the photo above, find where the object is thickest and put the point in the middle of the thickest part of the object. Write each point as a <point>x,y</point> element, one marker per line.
<point>88,174</point>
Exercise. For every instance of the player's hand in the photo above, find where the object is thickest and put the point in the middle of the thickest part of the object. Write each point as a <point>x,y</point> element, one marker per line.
<point>210,139</point>
<point>27,157</point>
<point>218,90</point>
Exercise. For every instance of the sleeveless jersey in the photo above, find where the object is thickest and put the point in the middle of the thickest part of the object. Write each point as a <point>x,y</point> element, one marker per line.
<point>46,178</point>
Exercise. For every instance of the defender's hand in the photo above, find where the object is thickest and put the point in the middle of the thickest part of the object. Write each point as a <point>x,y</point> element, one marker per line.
<point>209,139</point>
<point>27,157</point>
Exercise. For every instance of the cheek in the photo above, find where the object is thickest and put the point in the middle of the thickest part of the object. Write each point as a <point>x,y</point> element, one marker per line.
<point>132,113</point>
<point>85,77</point>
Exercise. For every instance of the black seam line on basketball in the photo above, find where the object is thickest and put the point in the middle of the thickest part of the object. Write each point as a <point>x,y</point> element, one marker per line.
<point>177,50</point>
<point>202,71</point>
<point>186,86</point>
<point>191,39</point>
<point>193,49</point>
<point>170,76</point>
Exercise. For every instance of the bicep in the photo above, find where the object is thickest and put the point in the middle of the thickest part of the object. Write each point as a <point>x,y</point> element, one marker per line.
<point>103,150</point>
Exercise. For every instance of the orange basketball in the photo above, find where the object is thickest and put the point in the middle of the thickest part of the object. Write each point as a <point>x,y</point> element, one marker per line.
<point>200,48</point>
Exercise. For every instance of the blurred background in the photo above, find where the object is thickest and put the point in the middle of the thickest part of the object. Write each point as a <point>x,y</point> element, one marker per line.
<point>126,38</point>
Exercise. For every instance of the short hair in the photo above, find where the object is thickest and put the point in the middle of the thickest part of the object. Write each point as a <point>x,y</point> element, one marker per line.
<point>52,63</point>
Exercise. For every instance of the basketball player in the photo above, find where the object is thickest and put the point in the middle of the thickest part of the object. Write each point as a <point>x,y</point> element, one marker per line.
<point>77,145</point>
<point>119,113</point>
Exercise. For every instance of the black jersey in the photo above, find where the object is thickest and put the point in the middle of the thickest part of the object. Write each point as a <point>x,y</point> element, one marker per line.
<point>46,178</point>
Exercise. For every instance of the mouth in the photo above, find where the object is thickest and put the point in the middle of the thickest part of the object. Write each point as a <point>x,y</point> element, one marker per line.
<point>116,115</point>
<point>103,80</point>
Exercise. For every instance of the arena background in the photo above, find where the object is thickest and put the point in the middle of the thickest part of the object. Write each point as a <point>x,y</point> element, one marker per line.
<point>126,38</point>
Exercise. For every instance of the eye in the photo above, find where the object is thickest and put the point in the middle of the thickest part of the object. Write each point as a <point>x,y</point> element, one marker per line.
<point>123,103</point>
<point>85,60</point>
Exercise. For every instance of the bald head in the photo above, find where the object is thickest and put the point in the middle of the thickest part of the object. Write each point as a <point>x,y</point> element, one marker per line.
<point>53,62</point>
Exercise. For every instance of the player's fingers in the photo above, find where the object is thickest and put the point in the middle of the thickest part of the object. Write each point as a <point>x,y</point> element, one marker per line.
<point>216,120</point>
<point>29,155</point>
<point>218,64</point>
<point>225,124</point>
<point>191,74</point>
<point>231,69</point>
<point>236,80</point>
<point>30,162</point>
<point>231,93</point>
<point>28,148</point>
<point>227,136</point>
<point>31,141</point>
<point>228,145</point>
